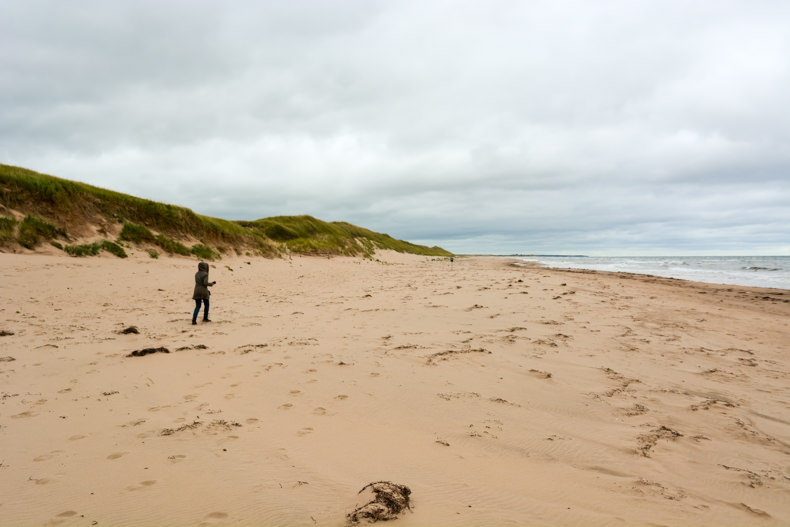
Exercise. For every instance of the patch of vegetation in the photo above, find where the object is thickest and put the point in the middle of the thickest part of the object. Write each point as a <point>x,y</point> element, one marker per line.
<point>135,233</point>
<point>114,248</point>
<point>89,249</point>
<point>153,254</point>
<point>172,246</point>
<point>269,248</point>
<point>33,230</point>
<point>7,228</point>
<point>57,245</point>
<point>92,249</point>
<point>203,252</point>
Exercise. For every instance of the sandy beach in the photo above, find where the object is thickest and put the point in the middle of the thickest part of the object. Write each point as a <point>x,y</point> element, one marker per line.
<point>498,394</point>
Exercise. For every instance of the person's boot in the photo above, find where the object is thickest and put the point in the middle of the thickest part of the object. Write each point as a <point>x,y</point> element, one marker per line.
<point>194,322</point>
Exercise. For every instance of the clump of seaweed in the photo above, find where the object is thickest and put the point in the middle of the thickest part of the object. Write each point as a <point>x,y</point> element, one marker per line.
<point>388,500</point>
<point>148,351</point>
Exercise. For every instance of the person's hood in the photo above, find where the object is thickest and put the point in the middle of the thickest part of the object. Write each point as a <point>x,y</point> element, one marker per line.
<point>203,266</point>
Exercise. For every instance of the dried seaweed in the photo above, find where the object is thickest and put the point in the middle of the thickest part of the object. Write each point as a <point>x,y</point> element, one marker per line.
<point>148,351</point>
<point>389,500</point>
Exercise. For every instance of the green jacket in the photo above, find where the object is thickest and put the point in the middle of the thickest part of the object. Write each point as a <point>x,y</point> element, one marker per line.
<point>201,282</point>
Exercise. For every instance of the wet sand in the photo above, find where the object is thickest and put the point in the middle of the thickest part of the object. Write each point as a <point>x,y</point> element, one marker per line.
<point>499,395</point>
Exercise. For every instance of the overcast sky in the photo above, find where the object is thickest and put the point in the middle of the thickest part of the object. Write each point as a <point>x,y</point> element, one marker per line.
<point>598,127</point>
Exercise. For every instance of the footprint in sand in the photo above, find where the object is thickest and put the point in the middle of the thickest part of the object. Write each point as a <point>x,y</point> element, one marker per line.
<point>46,457</point>
<point>341,397</point>
<point>319,411</point>
<point>252,420</point>
<point>76,438</point>
<point>286,406</point>
<point>116,455</point>
<point>216,515</point>
<point>304,431</point>
<point>296,392</point>
<point>143,484</point>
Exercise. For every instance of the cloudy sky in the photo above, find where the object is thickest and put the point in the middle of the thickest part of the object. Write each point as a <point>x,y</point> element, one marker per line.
<point>604,127</point>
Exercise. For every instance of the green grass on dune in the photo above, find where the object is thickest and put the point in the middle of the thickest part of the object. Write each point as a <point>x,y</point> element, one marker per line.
<point>132,232</point>
<point>55,206</point>
<point>7,229</point>
<point>92,249</point>
<point>306,234</point>
<point>33,230</point>
<point>69,201</point>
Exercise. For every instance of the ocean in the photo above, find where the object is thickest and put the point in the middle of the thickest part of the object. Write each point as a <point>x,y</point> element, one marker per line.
<point>757,271</point>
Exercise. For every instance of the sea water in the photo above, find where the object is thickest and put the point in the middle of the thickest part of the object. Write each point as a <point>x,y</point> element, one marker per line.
<point>757,271</point>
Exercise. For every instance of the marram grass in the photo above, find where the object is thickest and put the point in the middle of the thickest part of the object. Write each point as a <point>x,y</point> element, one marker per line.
<point>59,208</point>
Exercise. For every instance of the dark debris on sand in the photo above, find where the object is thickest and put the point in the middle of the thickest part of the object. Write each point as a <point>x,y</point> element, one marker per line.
<point>4,333</point>
<point>148,351</point>
<point>130,329</point>
<point>389,499</point>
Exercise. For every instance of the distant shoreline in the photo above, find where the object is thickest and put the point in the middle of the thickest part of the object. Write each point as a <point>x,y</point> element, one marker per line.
<point>771,272</point>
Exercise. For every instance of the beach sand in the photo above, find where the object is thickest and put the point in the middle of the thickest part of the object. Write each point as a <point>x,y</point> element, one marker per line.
<point>499,395</point>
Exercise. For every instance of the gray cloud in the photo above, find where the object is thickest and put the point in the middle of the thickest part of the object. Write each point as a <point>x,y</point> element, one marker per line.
<point>569,126</point>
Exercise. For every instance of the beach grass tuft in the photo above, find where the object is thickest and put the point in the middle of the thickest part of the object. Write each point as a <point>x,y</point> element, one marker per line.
<point>132,232</point>
<point>7,229</point>
<point>172,246</point>
<point>92,249</point>
<point>203,252</point>
<point>34,230</point>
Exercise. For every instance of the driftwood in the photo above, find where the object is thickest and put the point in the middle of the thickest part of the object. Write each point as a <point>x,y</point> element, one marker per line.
<point>389,499</point>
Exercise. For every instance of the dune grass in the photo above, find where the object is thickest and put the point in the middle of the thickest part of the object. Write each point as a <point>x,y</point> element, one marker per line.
<point>203,252</point>
<point>54,205</point>
<point>7,229</point>
<point>92,249</point>
<point>172,246</point>
<point>135,233</point>
<point>306,234</point>
<point>33,230</point>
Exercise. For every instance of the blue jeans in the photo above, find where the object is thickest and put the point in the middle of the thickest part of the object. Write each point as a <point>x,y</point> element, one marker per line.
<point>197,308</point>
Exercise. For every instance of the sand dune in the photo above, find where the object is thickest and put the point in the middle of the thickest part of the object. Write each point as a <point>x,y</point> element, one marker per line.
<point>500,395</point>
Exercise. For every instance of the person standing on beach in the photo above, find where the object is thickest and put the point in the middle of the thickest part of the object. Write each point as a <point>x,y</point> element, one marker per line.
<point>201,293</point>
